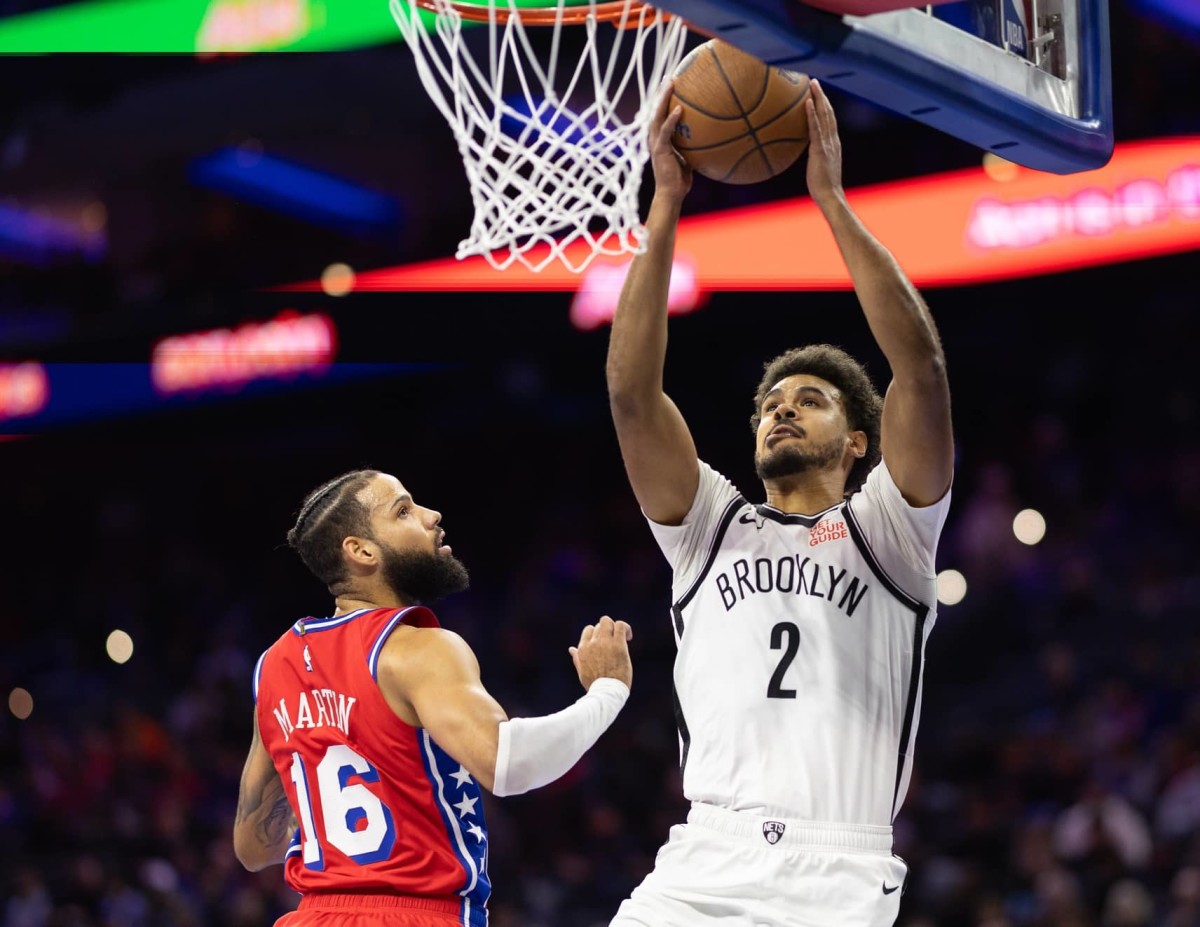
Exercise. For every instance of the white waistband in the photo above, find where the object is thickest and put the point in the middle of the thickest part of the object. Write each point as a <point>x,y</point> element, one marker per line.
<point>790,831</point>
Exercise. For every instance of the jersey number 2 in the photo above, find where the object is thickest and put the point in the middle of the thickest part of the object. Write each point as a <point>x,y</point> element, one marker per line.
<point>356,821</point>
<point>785,629</point>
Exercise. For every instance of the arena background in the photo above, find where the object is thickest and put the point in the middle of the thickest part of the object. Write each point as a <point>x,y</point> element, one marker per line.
<point>1058,766</point>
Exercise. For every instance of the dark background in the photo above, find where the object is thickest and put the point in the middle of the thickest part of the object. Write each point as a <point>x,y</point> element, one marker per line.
<point>1058,769</point>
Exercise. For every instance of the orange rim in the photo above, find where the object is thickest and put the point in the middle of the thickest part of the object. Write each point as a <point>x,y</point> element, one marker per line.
<point>609,11</point>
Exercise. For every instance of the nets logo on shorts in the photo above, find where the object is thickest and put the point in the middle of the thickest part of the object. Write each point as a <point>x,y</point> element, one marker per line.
<point>773,831</point>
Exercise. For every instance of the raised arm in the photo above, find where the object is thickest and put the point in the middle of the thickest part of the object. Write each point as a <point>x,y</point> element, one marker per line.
<point>659,455</point>
<point>264,819</point>
<point>430,678</point>
<point>916,437</point>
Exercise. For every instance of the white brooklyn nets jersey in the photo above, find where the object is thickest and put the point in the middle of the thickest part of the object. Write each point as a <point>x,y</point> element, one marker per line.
<point>798,675</point>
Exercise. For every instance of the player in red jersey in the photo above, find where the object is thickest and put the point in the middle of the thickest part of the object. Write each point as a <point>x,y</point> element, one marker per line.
<point>373,733</point>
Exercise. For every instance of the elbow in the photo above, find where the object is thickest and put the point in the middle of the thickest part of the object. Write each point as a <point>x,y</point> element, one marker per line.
<point>928,374</point>
<point>248,854</point>
<point>247,862</point>
<point>630,403</point>
<point>936,368</point>
<point>630,389</point>
<point>622,404</point>
<point>620,389</point>
<point>487,781</point>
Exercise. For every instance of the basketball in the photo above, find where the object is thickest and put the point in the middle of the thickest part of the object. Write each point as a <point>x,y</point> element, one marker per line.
<point>743,121</point>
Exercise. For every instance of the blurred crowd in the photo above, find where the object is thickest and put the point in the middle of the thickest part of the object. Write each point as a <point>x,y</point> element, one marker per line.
<point>1057,776</point>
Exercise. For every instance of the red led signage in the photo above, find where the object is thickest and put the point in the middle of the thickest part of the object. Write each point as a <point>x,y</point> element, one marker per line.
<point>229,358</point>
<point>962,227</point>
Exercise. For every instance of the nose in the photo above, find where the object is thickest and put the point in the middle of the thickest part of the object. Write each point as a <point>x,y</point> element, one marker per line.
<point>433,517</point>
<point>784,410</point>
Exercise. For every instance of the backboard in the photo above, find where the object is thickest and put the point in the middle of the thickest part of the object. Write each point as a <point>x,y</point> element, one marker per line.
<point>1029,80</point>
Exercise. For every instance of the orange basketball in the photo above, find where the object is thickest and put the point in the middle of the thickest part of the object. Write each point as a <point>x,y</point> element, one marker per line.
<point>743,121</point>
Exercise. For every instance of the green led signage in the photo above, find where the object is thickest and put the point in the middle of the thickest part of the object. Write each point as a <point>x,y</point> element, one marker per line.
<point>200,26</point>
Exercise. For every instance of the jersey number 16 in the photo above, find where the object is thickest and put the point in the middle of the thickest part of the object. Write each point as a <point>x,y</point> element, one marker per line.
<point>356,821</point>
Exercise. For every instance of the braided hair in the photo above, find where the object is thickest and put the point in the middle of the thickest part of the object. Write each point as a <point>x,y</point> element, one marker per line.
<point>329,514</point>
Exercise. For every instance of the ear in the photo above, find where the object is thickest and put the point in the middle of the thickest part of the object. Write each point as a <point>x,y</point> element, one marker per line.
<point>360,554</point>
<point>858,443</point>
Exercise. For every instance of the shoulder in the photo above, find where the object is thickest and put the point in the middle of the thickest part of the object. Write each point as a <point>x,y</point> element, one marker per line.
<point>714,494</point>
<point>880,489</point>
<point>426,650</point>
<point>712,475</point>
<point>889,522</point>
<point>423,660</point>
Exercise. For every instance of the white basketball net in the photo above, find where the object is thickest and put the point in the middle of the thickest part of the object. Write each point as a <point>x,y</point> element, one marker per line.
<point>549,158</point>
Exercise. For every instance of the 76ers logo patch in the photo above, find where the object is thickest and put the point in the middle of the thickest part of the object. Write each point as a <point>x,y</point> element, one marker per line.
<point>773,831</point>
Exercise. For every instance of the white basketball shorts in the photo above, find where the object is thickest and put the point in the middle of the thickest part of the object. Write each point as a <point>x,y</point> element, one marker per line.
<point>742,870</point>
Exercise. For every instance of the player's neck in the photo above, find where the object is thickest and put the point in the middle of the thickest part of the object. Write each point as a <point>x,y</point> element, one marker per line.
<point>807,494</point>
<point>357,601</point>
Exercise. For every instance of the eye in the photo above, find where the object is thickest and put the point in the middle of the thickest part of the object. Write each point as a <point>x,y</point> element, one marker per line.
<point>403,513</point>
<point>770,407</point>
<point>809,402</point>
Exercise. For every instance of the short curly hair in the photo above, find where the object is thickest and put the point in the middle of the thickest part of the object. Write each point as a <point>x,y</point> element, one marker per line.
<point>860,400</point>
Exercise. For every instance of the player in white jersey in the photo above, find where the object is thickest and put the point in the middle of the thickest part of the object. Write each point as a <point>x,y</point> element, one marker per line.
<point>801,622</point>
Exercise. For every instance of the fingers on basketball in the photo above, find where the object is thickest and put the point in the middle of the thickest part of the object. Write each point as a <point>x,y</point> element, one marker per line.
<point>820,104</point>
<point>664,103</point>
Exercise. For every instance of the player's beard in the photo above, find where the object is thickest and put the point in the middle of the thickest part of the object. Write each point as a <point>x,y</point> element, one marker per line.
<point>790,460</point>
<point>424,576</point>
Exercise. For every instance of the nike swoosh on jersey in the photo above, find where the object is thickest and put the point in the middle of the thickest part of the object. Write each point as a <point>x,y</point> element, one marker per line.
<point>888,891</point>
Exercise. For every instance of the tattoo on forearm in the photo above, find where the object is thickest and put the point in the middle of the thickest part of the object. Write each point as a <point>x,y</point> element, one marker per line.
<point>273,828</point>
<point>269,812</point>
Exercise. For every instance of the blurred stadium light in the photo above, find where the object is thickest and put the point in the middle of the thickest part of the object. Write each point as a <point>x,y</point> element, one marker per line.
<point>285,186</point>
<point>1174,13</point>
<point>976,225</point>
<point>33,238</point>
<point>255,358</point>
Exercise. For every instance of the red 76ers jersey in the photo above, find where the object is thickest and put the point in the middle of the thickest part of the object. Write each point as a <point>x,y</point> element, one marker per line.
<point>382,808</point>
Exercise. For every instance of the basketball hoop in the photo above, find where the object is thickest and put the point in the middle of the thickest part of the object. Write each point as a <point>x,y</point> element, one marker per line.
<point>554,146</point>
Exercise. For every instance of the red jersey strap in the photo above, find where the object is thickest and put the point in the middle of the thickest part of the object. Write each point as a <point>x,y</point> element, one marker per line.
<point>419,617</point>
<point>258,674</point>
<point>416,616</point>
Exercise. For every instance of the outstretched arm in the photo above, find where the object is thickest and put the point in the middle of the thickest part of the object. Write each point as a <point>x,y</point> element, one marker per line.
<point>917,441</point>
<point>659,455</point>
<point>264,819</point>
<point>431,680</point>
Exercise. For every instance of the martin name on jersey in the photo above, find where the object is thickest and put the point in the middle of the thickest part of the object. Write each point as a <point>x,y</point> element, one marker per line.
<point>381,807</point>
<point>801,639</point>
<point>314,708</point>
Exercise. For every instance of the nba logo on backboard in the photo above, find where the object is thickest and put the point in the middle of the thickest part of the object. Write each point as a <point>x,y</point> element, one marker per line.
<point>1015,26</point>
<point>1002,22</point>
<point>773,831</point>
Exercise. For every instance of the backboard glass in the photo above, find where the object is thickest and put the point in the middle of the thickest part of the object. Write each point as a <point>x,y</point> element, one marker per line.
<point>1029,80</point>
